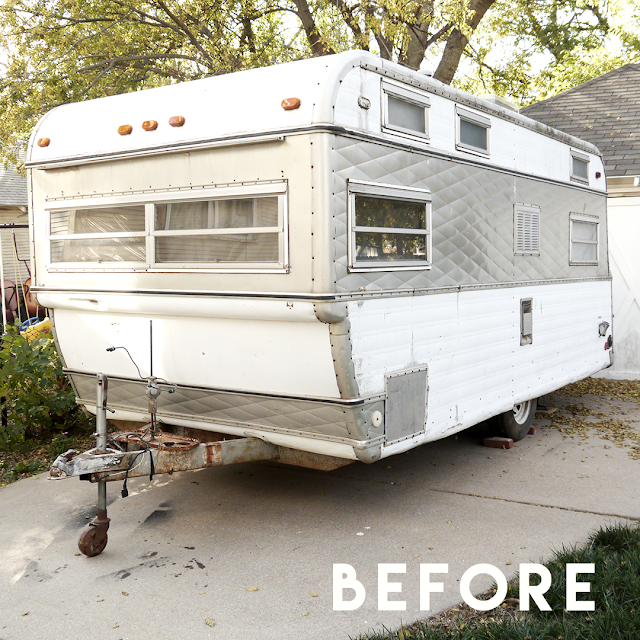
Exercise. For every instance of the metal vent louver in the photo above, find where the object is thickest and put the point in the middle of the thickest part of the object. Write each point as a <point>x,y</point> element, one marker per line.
<point>527,229</point>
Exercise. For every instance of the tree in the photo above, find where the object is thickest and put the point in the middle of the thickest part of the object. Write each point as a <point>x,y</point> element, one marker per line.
<point>548,46</point>
<point>63,51</point>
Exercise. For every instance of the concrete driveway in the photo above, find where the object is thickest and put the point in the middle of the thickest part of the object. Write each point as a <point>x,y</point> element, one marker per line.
<point>250,548</point>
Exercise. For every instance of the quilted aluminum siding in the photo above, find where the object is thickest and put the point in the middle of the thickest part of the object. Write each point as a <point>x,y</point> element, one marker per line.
<point>473,239</point>
<point>218,408</point>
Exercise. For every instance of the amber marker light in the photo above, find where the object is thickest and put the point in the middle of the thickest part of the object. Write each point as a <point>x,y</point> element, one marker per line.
<point>44,142</point>
<point>150,125</point>
<point>176,121</point>
<point>125,129</point>
<point>289,104</point>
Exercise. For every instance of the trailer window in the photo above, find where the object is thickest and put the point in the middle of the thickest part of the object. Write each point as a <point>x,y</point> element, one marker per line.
<point>239,230</point>
<point>405,111</point>
<point>584,239</point>
<point>100,235</point>
<point>390,226</point>
<point>579,167</point>
<point>472,131</point>
<point>231,228</point>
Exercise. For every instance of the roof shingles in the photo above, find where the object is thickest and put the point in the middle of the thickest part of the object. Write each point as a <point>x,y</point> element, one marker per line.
<point>604,111</point>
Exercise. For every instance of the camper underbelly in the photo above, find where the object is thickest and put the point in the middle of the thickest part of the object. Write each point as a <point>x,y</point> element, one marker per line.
<point>478,357</point>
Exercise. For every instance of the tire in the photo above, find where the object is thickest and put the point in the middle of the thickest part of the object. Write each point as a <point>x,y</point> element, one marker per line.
<point>515,424</point>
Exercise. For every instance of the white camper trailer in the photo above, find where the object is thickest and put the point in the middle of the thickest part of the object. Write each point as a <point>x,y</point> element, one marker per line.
<point>338,256</point>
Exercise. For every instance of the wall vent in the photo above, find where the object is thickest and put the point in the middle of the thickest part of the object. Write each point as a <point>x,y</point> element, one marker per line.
<point>526,229</point>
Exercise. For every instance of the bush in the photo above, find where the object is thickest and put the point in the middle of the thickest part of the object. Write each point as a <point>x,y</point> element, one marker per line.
<point>39,400</point>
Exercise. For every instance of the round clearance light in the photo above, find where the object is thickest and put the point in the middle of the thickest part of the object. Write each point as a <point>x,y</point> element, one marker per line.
<point>125,129</point>
<point>598,174</point>
<point>44,142</point>
<point>176,121</point>
<point>150,125</point>
<point>289,104</point>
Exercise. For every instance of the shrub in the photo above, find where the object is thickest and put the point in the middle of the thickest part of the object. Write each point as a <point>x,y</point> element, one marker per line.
<point>39,401</point>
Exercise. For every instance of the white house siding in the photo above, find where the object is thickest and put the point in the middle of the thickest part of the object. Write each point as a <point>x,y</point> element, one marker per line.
<point>624,260</point>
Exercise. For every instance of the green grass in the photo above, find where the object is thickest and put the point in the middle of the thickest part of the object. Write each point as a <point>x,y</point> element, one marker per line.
<point>615,588</point>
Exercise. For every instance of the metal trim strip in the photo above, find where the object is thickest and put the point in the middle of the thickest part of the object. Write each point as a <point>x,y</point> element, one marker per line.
<point>340,402</point>
<point>319,128</point>
<point>322,297</point>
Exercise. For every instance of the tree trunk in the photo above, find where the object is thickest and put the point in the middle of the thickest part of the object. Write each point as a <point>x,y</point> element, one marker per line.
<point>457,41</point>
<point>309,26</point>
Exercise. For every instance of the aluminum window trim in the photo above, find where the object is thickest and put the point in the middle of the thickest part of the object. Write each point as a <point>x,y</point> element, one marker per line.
<point>479,120</point>
<point>408,95</point>
<point>278,189</point>
<point>389,192</point>
<point>585,218</point>
<point>577,155</point>
<point>162,196</point>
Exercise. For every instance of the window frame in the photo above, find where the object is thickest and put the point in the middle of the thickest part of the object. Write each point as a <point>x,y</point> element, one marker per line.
<point>390,192</point>
<point>582,157</point>
<point>151,200</point>
<point>479,120</point>
<point>408,95</point>
<point>585,218</point>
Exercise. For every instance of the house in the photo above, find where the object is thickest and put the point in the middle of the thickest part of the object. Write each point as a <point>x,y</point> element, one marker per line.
<point>606,112</point>
<point>15,241</point>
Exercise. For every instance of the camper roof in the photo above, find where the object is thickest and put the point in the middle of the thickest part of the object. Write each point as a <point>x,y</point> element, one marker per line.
<point>235,106</point>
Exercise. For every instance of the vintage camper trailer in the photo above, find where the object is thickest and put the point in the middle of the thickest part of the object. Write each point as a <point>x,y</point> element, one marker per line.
<point>338,256</point>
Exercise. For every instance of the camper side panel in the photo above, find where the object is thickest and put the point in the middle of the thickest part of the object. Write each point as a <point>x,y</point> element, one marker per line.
<point>472,212</point>
<point>470,342</point>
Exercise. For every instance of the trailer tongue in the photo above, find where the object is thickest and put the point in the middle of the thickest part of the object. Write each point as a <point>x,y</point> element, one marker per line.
<point>149,451</point>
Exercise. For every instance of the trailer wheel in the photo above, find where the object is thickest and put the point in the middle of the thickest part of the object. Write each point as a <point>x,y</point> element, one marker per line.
<point>92,541</point>
<point>515,424</point>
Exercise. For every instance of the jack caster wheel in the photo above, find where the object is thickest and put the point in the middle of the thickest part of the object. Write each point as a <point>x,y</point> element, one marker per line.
<point>92,541</point>
<point>515,424</point>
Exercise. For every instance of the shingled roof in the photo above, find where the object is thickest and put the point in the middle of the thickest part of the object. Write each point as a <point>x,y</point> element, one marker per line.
<point>13,188</point>
<point>604,111</point>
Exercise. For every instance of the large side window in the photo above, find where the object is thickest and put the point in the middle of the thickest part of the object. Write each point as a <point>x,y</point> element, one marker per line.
<point>110,235</point>
<point>405,111</point>
<point>230,231</point>
<point>223,229</point>
<point>583,239</point>
<point>390,227</point>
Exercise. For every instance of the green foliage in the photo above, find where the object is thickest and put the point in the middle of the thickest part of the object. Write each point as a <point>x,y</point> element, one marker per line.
<point>61,51</point>
<point>39,400</point>
<point>528,50</point>
<point>14,473</point>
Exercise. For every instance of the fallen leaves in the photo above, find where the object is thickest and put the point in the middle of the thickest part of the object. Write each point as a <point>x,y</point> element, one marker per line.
<point>209,622</point>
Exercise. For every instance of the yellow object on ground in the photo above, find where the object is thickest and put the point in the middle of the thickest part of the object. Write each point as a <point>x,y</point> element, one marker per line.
<point>40,330</point>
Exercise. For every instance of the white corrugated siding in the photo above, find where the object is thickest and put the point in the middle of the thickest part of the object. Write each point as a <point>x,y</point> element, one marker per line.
<point>470,342</point>
<point>16,260</point>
